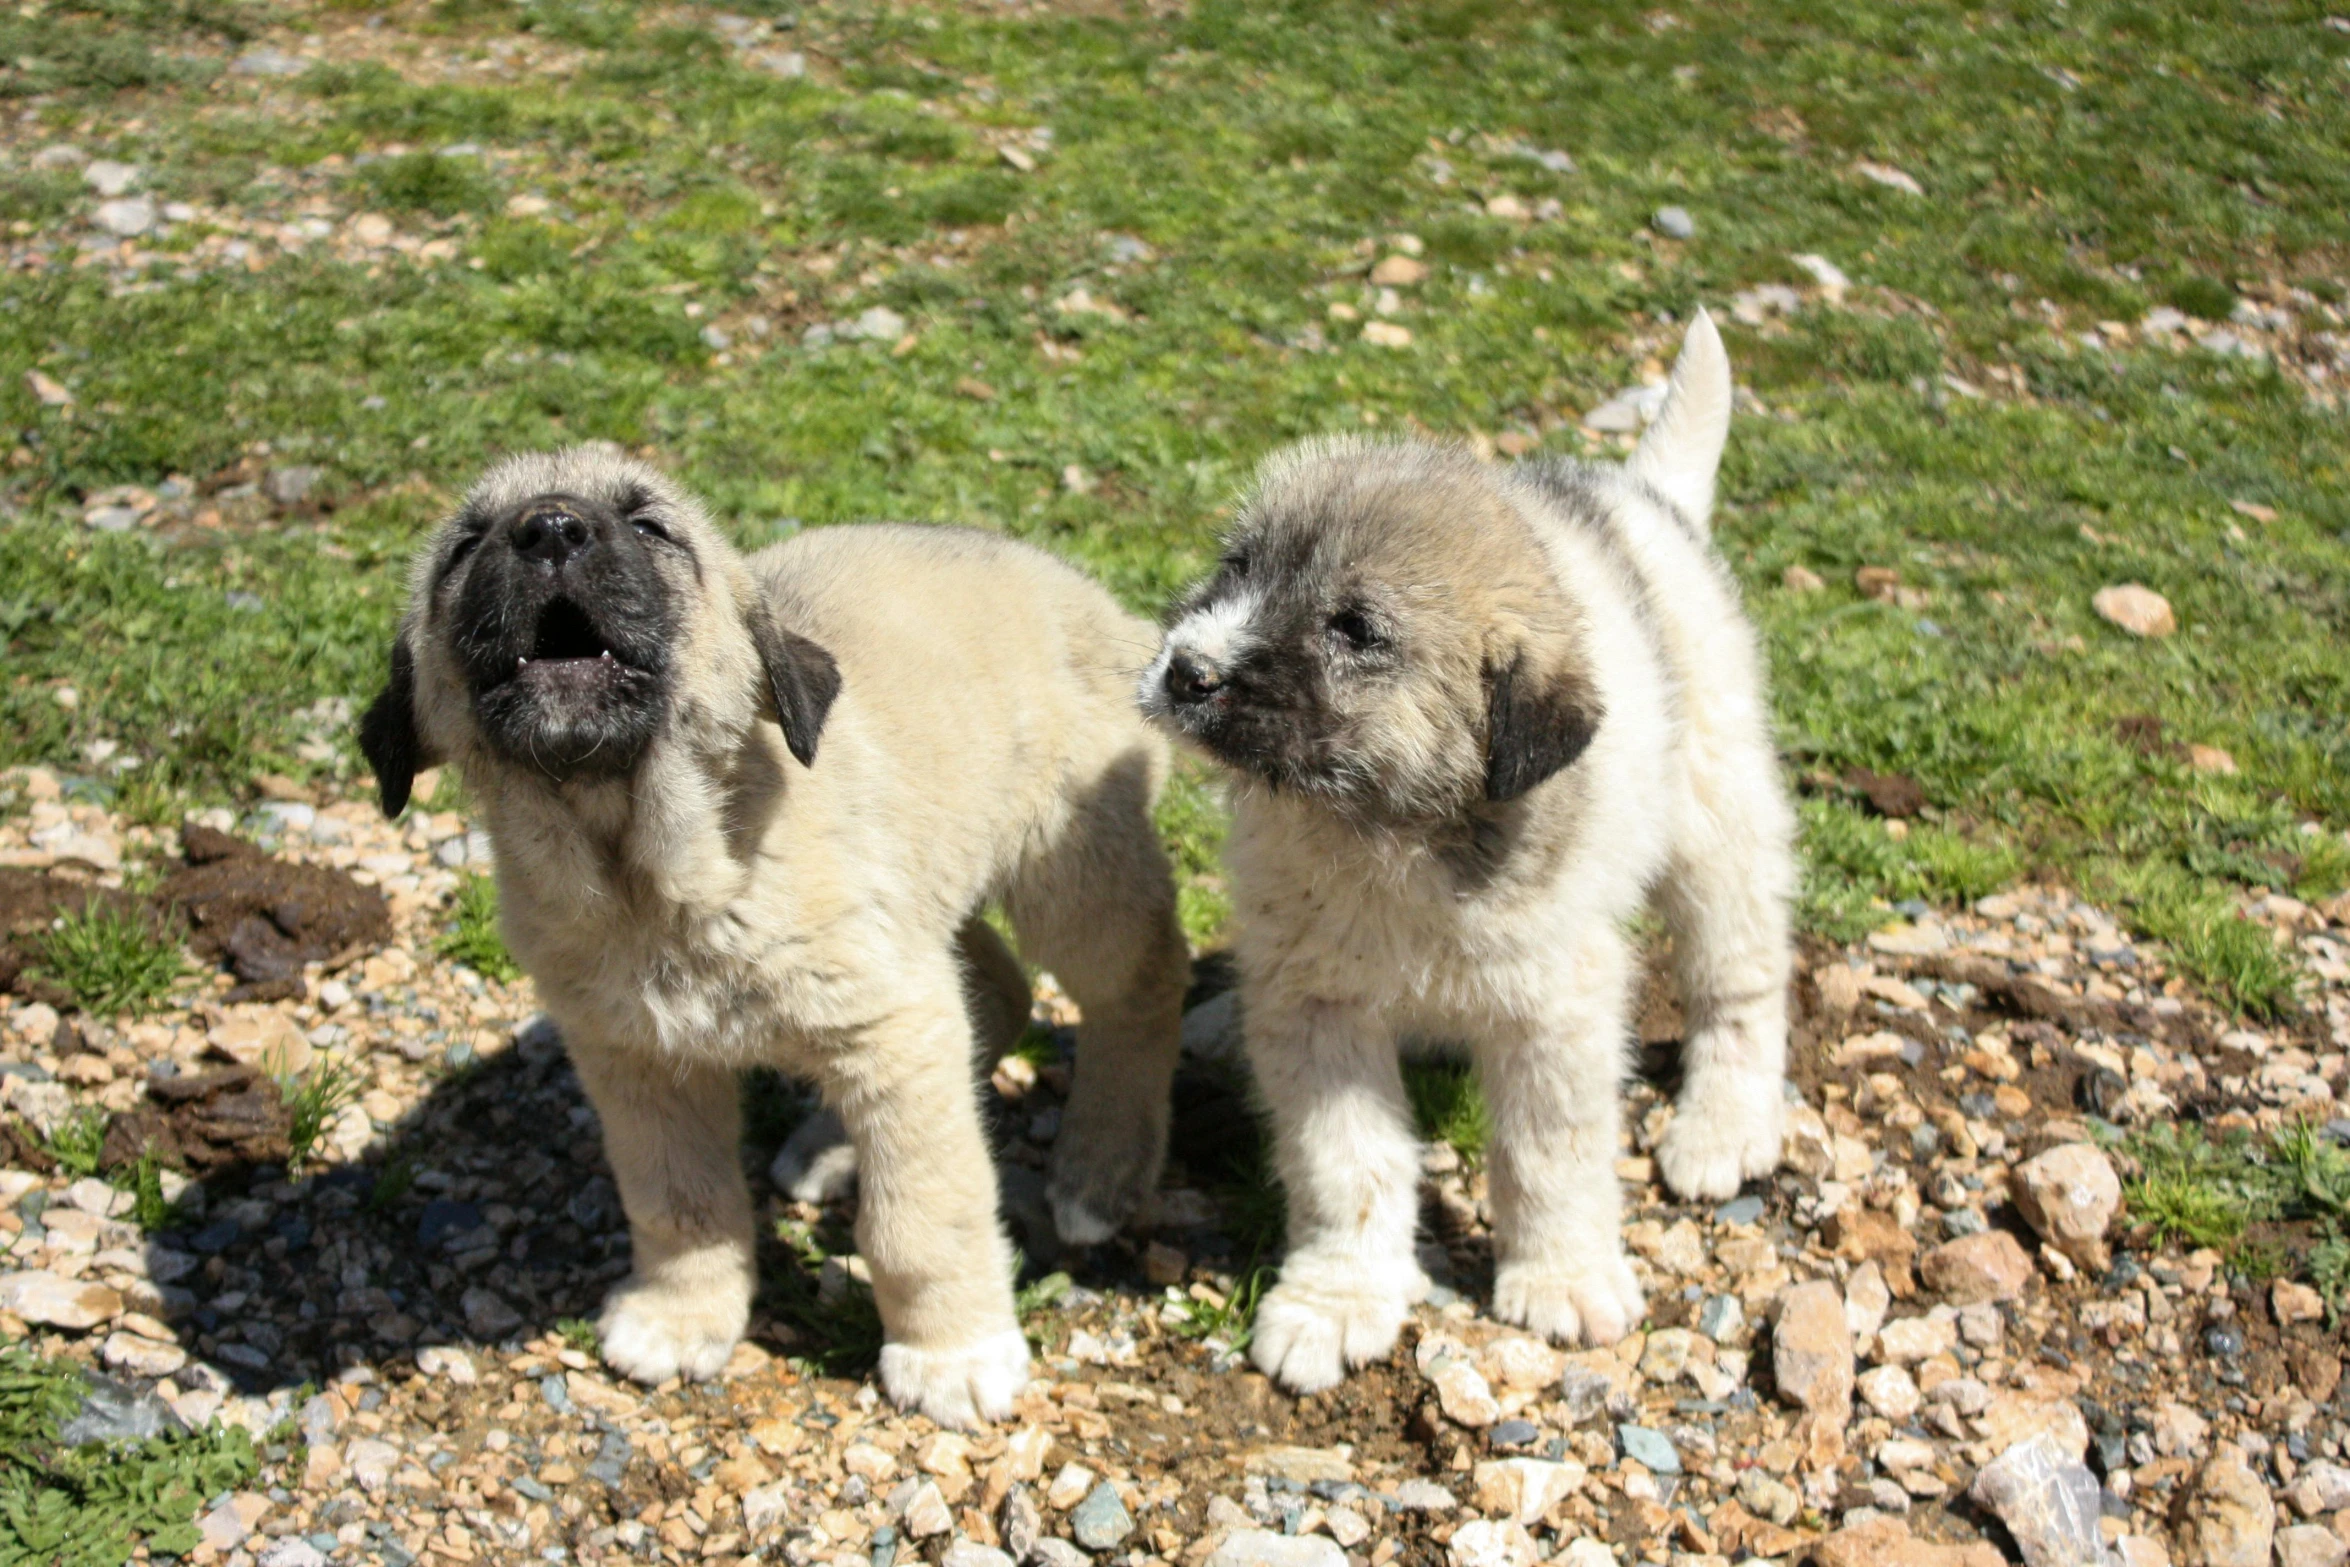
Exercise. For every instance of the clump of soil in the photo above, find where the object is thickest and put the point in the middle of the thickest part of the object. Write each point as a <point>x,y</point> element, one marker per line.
<point>29,902</point>
<point>204,1121</point>
<point>265,917</point>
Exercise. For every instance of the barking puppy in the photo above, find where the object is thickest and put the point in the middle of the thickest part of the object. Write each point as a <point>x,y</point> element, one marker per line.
<point>697,886</point>
<point>1476,715</point>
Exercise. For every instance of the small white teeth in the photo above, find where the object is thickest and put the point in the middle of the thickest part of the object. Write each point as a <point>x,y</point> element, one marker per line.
<point>522,663</point>
<point>606,655</point>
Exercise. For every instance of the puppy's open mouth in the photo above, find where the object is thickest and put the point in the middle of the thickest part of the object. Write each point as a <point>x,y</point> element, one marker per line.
<point>567,648</point>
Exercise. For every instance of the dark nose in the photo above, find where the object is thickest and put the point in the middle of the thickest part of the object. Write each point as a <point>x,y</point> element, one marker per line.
<point>550,535</point>
<point>1192,679</point>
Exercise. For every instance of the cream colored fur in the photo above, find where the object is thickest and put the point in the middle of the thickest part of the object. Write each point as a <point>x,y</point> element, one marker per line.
<point>1359,929</point>
<point>724,906</point>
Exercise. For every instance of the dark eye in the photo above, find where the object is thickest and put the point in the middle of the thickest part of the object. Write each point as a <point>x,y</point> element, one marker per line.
<point>1354,630</point>
<point>1236,563</point>
<point>465,545</point>
<point>647,524</point>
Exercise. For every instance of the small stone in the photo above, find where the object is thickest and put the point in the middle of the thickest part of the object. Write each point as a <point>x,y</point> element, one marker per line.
<point>264,1039</point>
<point>142,1356</point>
<point>1301,1465</point>
<point>1525,1489</point>
<point>1802,579</point>
<point>1462,1390</point>
<point>1811,1350</point>
<point>1891,1392</point>
<point>229,1525</point>
<point>1264,1548</point>
<point>880,325</point>
<point>128,217</point>
<point>2141,1550</point>
<point>1651,1448</point>
<point>110,178</point>
<point>293,1551</point>
<point>1164,1265</point>
<point>1886,1542</point>
<point>453,1365</point>
<point>1888,176</point>
<point>1766,1497</point>
<point>46,1300</point>
<point>766,1506</point>
<point>1019,1522</point>
<point>2070,1196</point>
<point>1489,1543</point>
<point>1101,1522</point>
<point>371,1463</point>
<point>2310,1545</point>
<point>2230,1521</point>
<point>487,1315</point>
<point>1348,1527</point>
<point>1053,1551</point>
<point>1069,1487</point>
<point>1399,272</point>
<point>2320,1488</point>
<point>1424,1496</point>
<point>1866,1300</point>
<point>1986,1267</point>
<point>2048,1501</point>
<point>291,486</point>
<point>1387,334</point>
<point>1722,1319</point>
<point>2136,609</point>
<point>2293,1303</point>
<point>268,62</point>
<point>1910,1340</point>
<point>970,1553</point>
<point>926,1512</point>
<point>1666,1355</point>
<point>1674,223</point>
<point>2211,759</point>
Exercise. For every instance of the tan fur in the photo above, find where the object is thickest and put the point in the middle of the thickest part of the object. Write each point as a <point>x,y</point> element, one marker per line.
<point>723,906</point>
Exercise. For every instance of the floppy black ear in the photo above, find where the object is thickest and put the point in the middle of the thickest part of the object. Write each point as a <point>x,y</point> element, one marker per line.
<point>1535,724</point>
<point>387,734</point>
<point>802,680</point>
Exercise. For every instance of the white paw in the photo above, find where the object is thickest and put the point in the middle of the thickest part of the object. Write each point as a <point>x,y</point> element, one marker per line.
<point>1717,1140</point>
<point>817,1163</point>
<point>1597,1302</point>
<point>1309,1335</point>
<point>653,1333</point>
<point>1078,1223</point>
<point>1101,1177</point>
<point>958,1387</point>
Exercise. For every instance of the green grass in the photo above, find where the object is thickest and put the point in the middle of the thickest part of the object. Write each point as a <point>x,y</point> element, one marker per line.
<point>78,1142</point>
<point>2083,162</point>
<point>839,1336</point>
<point>1447,1105</point>
<point>2197,1191</point>
<point>472,938</point>
<point>313,1099</point>
<point>580,1334</point>
<point>1231,1321</point>
<point>93,1506</point>
<point>111,960</point>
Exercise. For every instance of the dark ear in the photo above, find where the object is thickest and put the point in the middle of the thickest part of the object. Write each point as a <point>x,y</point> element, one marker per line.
<point>387,734</point>
<point>802,680</point>
<point>1535,724</point>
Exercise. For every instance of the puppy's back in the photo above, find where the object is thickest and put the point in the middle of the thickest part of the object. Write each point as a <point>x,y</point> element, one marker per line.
<point>943,607</point>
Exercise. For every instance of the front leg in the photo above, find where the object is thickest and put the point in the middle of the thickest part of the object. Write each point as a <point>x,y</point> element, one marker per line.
<point>1350,1169</point>
<point>926,1211</point>
<point>1551,1091</point>
<point>672,1132</point>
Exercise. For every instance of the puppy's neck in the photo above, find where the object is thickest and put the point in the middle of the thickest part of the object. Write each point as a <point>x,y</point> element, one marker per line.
<point>679,834</point>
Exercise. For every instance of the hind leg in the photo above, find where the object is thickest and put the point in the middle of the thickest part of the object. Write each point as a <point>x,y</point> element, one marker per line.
<point>818,1163</point>
<point>1096,906</point>
<point>1725,898</point>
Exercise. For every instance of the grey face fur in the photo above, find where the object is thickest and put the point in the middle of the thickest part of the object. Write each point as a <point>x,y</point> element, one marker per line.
<point>1384,635</point>
<point>552,608</point>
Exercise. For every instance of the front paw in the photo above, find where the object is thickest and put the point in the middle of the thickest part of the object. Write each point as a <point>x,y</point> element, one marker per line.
<point>1597,1302</point>
<point>958,1387</point>
<point>1099,1182</point>
<point>653,1332</point>
<point>1309,1334</point>
<point>1718,1140</point>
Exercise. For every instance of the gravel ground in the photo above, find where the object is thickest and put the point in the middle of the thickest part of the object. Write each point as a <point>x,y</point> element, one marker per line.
<point>1930,1339</point>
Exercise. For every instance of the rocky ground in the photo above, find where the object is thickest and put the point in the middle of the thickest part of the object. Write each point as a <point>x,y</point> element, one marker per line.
<point>1933,1338</point>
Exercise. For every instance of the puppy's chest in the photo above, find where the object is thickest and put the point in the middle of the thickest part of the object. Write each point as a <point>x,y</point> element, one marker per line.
<point>729,984</point>
<point>1398,934</point>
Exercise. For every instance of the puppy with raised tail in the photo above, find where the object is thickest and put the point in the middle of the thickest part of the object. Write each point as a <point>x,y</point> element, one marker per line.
<point>1476,715</point>
<point>747,811</point>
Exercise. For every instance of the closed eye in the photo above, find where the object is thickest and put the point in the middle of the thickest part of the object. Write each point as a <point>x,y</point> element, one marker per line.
<point>648,525</point>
